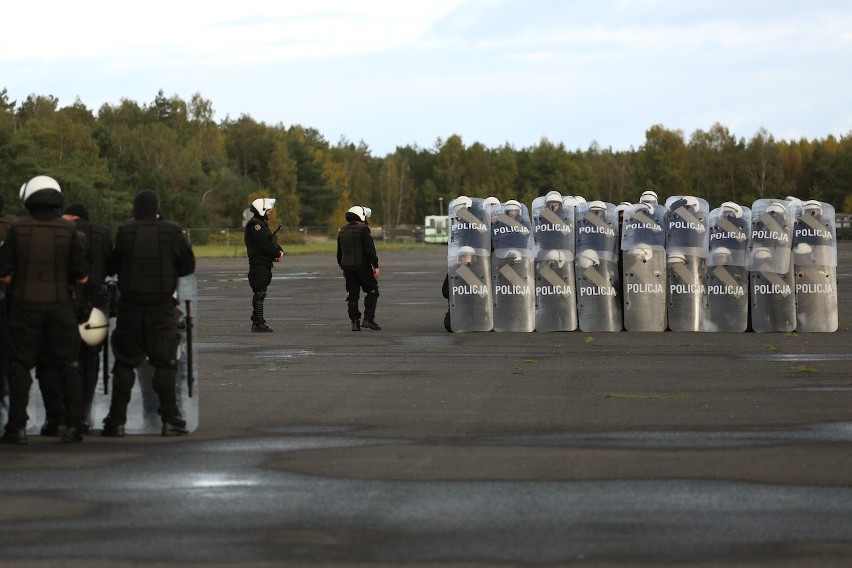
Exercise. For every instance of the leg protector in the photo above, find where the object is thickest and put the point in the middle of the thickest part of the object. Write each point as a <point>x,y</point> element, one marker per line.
<point>352,307</point>
<point>257,307</point>
<point>371,299</point>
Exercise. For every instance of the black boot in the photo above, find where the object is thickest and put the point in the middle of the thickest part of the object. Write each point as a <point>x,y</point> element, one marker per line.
<point>258,321</point>
<point>370,301</point>
<point>14,436</point>
<point>356,325</point>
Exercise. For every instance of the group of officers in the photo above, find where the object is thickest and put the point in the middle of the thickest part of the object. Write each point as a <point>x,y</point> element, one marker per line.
<point>645,266</point>
<point>55,264</point>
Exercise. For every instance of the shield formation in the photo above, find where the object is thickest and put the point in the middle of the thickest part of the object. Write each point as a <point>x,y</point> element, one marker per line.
<point>726,280</point>
<point>815,264</point>
<point>596,267</point>
<point>770,264</point>
<point>555,298</point>
<point>469,266</point>
<point>643,246</point>
<point>686,247</point>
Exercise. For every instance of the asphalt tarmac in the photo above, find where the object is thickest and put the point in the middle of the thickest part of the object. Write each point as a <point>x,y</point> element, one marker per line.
<point>411,446</point>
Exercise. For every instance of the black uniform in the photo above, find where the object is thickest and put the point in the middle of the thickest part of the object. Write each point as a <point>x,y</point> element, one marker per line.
<point>150,255</point>
<point>356,256</point>
<point>5,222</point>
<point>98,245</point>
<point>263,249</point>
<point>44,255</point>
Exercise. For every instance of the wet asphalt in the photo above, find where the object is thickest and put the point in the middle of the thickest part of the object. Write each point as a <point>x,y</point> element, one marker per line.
<point>317,445</point>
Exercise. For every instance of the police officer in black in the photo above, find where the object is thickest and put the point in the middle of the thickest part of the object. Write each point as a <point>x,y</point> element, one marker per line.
<point>5,222</point>
<point>41,258</point>
<point>149,256</point>
<point>356,256</point>
<point>98,243</point>
<point>263,249</point>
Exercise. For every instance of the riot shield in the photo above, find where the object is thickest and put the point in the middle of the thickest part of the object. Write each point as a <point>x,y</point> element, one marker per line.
<point>469,266</point>
<point>512,272</point>
<point>815,262</point>
<point>687,241</point>
<point>596,267</point>
<point>643,245</point>
<point>556,301</point>
<point>726,278</point>
<point>770,263</point>
<point>142,416</point>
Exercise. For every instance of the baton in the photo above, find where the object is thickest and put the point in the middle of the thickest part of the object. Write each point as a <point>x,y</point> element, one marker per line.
<point>188,325</point>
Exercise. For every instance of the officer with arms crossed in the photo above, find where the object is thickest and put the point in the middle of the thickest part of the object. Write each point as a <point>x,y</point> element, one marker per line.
<point>263,249</point>
<point>356,256</point>
<point>40,253</point>
<point>150,255</point>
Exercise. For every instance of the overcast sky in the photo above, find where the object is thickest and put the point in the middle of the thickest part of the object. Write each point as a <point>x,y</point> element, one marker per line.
<point>395,73</point>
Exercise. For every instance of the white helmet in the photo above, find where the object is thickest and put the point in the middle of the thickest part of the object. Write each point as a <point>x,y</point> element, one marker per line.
<point>512,205</point>
<point>649,196</point>
<point>553,196</point>
<point>94,330</point>
<point>597,206</point>
<point>363,213</point>
<point>643,251</point>
<point>776,208</point>
<point>802,249</point>
<point>722,254</point>
<point>38,183</point>
<point>579,199</point>
<point>491,201</point>
<point>263,205</point>
<point>569,200</point>
<point>762,253</point>
<point>555,255</point>
<point>643,206</point>
<point>588,258</point>
<point>731,207</point>
<point>691,202</point>
<point>812,205</point>
<point>461,202</point>
<point>676,258</point>
<point>466,251</point>
<point>623,206</point>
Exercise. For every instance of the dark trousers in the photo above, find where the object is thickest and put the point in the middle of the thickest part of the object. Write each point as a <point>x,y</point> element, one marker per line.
<point>47,336</point>
<point>357,280</point>
<point>142,331</point>
<point>259,277</point>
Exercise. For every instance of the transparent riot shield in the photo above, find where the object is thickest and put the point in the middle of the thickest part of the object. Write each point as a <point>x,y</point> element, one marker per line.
<point>815,263</point>
<point>142,416</point>
<point>596,267</point>
<point>643,245</point>
<point>512,272</point>
<point>687,241</point>
<point>770,265</point>
<point>469,266</point>
<point>726,279</point>
<point>555,297</point>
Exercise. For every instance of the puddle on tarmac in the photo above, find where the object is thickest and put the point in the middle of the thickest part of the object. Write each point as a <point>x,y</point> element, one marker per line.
<point>798,357</point>
<point>810,433</point>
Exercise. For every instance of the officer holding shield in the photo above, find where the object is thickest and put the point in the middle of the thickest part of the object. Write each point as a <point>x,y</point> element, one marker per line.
<point>149,256</point>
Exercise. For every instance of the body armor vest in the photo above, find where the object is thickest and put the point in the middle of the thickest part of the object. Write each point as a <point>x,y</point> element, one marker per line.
<point>43,252</point>
<point>97,249</point>
<point>352,252</point>
<point>147,272</point>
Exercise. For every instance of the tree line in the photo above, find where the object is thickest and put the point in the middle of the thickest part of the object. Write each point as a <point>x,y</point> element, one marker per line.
<point>207,172</point>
